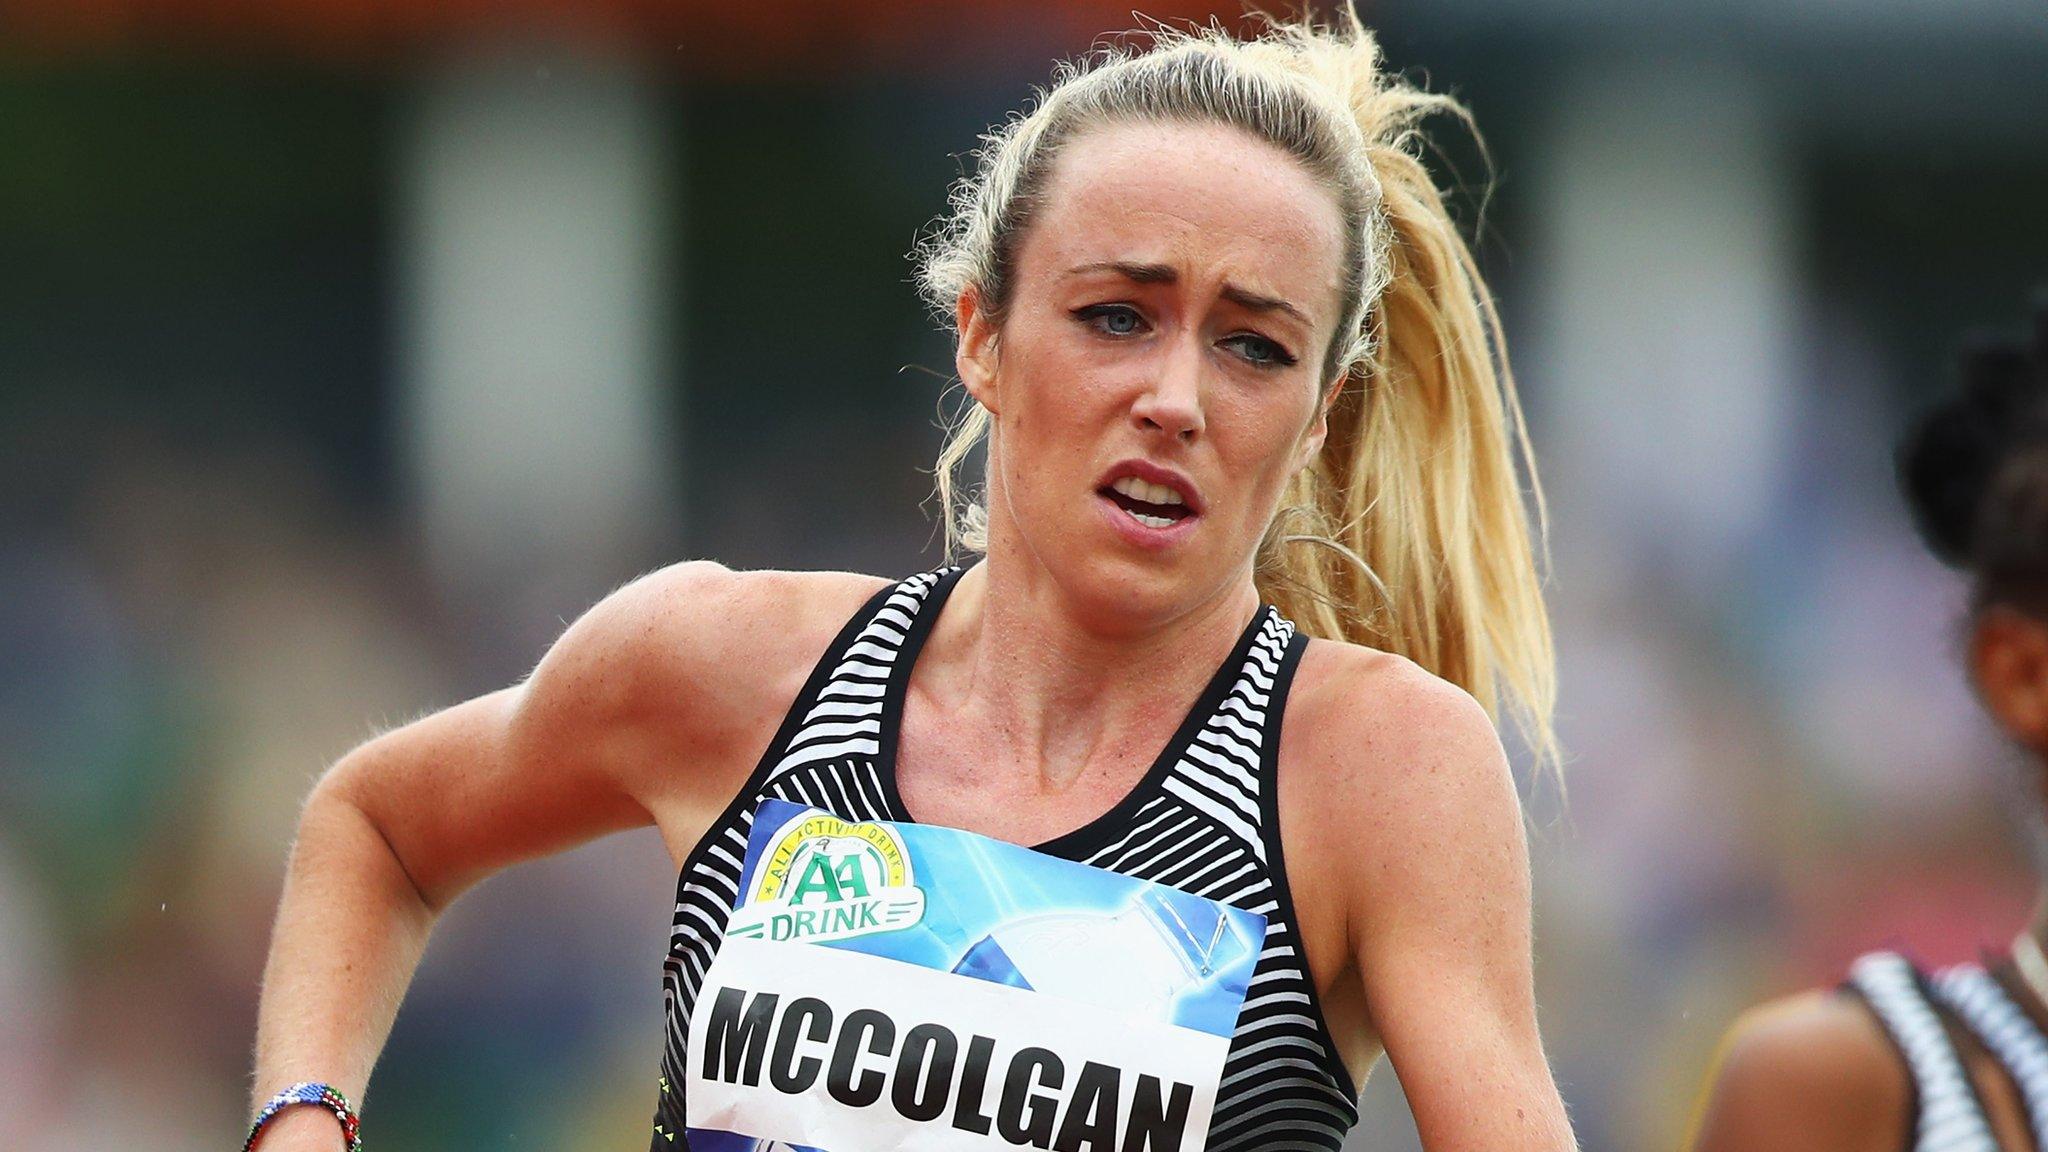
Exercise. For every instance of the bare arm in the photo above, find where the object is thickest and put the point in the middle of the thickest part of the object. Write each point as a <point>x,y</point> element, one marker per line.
<point>1442,936</point>
<point>402,825</point>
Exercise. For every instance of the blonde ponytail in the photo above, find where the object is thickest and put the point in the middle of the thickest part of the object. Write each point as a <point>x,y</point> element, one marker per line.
<point>1410,532</point>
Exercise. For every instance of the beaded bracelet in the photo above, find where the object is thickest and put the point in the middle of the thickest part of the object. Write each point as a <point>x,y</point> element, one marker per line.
<point>325,1095</point>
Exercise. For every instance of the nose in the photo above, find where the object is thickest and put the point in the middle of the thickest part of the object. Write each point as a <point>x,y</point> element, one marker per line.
<point>1172,399</point>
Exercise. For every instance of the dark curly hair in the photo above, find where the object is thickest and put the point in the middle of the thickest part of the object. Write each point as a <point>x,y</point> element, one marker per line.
<point>1974,468</point>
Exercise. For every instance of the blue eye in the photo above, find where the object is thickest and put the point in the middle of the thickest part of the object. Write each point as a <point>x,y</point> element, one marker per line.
<point>1112,319</point>
<point>1259,350</point>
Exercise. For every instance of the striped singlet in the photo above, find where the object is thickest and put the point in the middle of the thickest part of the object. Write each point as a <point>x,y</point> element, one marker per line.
<point>1948,1116</point>
<point>1202,820</point>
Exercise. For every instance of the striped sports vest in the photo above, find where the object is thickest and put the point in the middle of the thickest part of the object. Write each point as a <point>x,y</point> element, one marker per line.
<point>1202,819</point>
<point>1948,1115</point>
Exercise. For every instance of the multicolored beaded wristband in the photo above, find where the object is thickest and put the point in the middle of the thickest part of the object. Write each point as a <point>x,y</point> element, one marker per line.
<point>308,1092</point>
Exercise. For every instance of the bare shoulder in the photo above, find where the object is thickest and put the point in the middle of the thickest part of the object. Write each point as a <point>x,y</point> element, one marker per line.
<point>1397,807</point>
<point>688,659</point>
<point>1375,733</point>
<point>1813,1071</point>
<point>701,614</point>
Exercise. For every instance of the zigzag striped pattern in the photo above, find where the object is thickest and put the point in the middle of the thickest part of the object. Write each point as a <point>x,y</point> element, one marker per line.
<point>1950,1119</point>
<point>2006,1031</point>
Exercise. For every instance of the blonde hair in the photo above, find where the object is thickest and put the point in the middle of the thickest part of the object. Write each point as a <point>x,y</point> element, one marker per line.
<point>1408,532</point>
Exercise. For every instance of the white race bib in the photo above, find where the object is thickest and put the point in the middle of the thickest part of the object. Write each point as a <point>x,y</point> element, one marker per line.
<point>888,987</point>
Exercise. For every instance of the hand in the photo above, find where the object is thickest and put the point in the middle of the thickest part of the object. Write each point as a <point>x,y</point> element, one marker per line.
<point>302,1128</point>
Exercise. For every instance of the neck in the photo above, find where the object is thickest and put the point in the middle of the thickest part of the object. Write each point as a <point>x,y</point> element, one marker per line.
<point>2030,961</point>
<point>1062,685</point>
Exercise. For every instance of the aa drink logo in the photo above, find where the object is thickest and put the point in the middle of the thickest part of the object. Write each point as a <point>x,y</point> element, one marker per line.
<point>823,878</point>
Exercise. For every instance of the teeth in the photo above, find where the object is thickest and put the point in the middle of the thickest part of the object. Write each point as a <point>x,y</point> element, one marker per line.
<point>1150,521</point>
<point>1138,489</point>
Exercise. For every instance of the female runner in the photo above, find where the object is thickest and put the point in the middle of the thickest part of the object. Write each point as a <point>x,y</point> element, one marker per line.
<point>1239,383</point>
<point>1954,1060</point>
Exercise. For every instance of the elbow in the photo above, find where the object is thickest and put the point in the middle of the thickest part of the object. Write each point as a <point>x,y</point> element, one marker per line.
<point>340,816</point>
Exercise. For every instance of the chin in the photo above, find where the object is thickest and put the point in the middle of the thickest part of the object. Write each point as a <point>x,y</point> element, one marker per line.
<point>1133,593</point>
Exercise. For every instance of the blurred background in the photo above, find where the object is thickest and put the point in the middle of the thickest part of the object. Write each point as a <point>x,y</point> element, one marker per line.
<point>349,348</point>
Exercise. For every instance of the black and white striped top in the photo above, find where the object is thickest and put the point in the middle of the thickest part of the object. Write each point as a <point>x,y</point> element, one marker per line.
<point>1948,1115</point>
<point>1202,820</point>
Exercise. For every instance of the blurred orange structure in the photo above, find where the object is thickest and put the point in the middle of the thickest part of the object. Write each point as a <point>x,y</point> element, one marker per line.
<point>724,38</point>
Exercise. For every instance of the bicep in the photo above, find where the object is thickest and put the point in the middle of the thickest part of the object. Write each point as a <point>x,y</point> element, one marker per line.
<point>463,793</point>
<point>529,770</point>
<point>1443,939</point>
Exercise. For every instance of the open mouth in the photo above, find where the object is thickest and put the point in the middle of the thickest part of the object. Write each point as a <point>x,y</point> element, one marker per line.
<point>1153,505</point>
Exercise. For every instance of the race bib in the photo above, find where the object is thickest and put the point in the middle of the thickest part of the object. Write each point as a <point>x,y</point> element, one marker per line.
<point>886,987</point>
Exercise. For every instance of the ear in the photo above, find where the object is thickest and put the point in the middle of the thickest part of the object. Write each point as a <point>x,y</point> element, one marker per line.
<point>2009,662</point>
<point>1319,427</point>
<point>974,357</point>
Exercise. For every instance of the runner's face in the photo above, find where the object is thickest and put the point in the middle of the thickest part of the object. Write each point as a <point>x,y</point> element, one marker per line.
<point>1157,377</point>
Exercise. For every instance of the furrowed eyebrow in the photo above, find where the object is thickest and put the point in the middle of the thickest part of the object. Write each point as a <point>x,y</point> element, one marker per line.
<point>1258,303</point>
<point>1165,274</point>
<point>1140,273</point>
